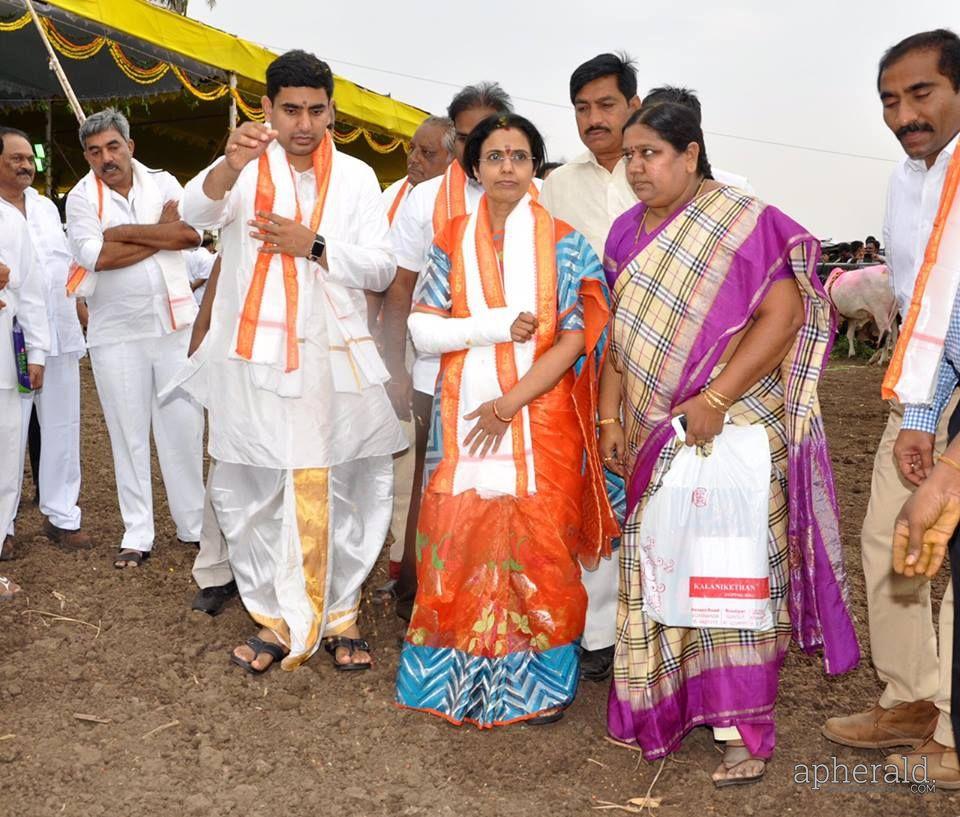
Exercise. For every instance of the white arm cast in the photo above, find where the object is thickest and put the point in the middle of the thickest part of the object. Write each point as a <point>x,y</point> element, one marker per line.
<point>435,334</point>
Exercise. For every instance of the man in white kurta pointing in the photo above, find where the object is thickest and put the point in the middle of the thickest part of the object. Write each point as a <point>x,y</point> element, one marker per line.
<point>300,425</point>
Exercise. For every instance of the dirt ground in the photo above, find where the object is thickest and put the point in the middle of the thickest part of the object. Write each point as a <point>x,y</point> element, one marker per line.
<point>186,732</point>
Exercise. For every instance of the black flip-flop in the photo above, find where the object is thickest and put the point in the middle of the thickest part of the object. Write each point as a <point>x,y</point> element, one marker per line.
<point>259,647</point>
<point>352,645</point>
<point>543,720</point>
<point>138,557</point>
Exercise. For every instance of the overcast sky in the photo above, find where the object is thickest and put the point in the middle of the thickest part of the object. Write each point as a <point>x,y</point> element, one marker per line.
<point>788,89</point>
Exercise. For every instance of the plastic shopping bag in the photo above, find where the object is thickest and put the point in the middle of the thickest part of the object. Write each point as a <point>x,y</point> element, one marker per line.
<point>704,536</point>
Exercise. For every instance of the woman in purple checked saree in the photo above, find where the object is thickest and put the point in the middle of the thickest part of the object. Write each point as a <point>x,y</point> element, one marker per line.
<point>718,310</point>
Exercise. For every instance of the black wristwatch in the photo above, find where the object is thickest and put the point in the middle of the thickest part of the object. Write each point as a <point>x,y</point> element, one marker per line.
<point>316,251</point>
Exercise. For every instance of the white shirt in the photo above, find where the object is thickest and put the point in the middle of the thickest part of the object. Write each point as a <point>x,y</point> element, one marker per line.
<point>913,197</point>
<point>199,266</point>
<point>322,427</point>
<point>129,303</point>
<point>22,296</point>
<point>53,265</point>
<point>588,197</point>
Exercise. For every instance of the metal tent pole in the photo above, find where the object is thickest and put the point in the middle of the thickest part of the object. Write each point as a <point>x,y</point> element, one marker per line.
<point>49,156</point>
<point>233,101</point>
<point>55,64</point>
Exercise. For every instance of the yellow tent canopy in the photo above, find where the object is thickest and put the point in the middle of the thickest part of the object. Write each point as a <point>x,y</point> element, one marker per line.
<point>176,78</point>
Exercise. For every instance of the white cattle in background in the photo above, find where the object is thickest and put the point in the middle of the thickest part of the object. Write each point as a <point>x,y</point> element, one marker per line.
<point>864,296</point>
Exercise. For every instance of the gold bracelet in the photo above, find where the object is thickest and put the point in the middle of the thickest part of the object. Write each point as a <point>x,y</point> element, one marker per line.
<point>608,421</point>
<point>950,462</point>
<point>719,395</point>
<point>714,402</point>
<point>497,414</point>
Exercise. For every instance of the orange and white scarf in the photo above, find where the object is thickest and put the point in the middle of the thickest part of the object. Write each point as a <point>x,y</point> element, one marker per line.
<point>525,281</point>
<point>398,200</point>
<point>82,284</point>
<point>912,374</point>
<point>452,197</point>
<point>279,292</point>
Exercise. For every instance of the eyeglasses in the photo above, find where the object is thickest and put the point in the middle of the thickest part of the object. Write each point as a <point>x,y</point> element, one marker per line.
<point>517,157</point>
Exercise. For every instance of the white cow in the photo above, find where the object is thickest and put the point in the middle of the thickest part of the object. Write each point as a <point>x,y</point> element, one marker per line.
<point>863,296</point>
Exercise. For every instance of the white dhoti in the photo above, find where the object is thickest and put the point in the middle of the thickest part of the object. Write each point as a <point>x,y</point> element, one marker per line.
<point>10,420</point>
<point>600,628</point>
<point>211,568</point>
<point>302,542</point>
<point>58,411</point>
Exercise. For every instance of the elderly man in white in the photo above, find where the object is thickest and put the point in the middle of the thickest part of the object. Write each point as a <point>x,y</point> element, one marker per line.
<point>125,231</point>
<point>301,429</point>
<point>21,299</point>
<point>58,402</point>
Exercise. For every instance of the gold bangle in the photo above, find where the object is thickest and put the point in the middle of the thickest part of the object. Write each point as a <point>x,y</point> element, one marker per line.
<point>714,403</point>
<point>719,395</point>
<point>608,421</point>
<point>497,414</point>
<point>716,400</point>
<point>950,462</point>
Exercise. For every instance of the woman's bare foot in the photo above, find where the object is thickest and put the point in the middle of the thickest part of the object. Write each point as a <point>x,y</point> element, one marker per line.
<point>738,766</point>
<point>260,661</point>
<point>8,588</point>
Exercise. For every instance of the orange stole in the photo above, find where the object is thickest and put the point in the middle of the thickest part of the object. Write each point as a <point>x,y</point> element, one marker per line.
<point>501,575</point>
<point>397,199</point>
<point>951,185</point>
<point>264,200</point>
<point>78,273</point>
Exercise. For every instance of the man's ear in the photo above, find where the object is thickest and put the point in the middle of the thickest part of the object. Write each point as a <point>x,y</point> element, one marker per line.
<point>130,144</point>
<point>267,108</point>
<point>634,103</point>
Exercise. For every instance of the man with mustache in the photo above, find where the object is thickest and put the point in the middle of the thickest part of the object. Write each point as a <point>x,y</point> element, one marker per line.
<point>589,193</point>
<point>126,234</point>
<point>21,298</point>
<point>919,85</point>
<point>58,402</point>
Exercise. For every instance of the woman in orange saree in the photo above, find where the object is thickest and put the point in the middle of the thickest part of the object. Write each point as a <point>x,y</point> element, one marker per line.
<point>516,303</point>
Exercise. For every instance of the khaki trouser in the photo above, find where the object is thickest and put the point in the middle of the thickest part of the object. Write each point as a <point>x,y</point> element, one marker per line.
<point>403,466</point>
<point>902,638</point>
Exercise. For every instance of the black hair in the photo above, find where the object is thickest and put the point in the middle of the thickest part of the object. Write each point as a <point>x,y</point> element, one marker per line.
<point>546,167</point>
<point>676,124</point>
<point>940,39</point>
<point>672,93</point>
<point>482,95</point>
<point>298,69</point>
<point>856,245</point>
<point>471,150</point>
<point>871,240</point>
<point>5,131</point>
<point>606,65</point>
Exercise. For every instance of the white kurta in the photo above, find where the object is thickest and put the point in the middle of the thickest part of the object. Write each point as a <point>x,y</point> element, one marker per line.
<point>322,427</point>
